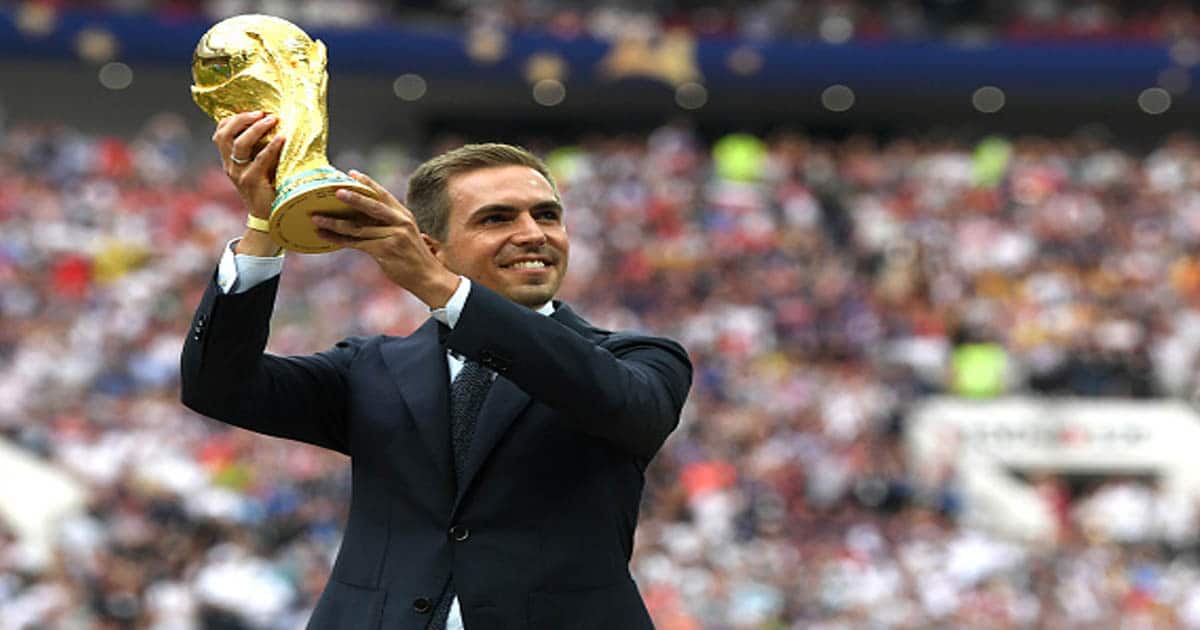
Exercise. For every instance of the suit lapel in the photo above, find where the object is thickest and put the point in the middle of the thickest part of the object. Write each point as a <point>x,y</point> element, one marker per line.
<point>417,364</point>
<point>567,317</point>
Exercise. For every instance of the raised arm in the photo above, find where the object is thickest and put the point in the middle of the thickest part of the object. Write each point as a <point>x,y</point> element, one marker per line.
<point>226,375</point>
<point>626,388</point>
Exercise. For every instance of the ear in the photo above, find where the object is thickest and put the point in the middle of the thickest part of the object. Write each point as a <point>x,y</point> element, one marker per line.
<point>434,246</point>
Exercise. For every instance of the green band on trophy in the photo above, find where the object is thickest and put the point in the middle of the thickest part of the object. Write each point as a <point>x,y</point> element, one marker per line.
<point>307,181</point>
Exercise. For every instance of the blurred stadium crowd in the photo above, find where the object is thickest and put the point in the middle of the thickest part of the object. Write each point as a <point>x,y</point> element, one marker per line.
<point>833,21</point>
<point>822,287</point>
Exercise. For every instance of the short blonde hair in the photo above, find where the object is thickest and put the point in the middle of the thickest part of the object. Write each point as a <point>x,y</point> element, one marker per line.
<point>427,195</point>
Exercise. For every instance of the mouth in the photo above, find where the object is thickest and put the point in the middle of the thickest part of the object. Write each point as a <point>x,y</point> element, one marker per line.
<point>534,264</point>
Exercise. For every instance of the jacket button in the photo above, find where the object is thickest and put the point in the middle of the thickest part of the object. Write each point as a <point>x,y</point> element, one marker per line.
<point>201,321</point>
<point>422,605</point>
<point>197,335</point>
<point>460,533</point>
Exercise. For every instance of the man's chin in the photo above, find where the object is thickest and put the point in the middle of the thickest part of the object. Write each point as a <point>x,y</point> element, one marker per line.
<point>531,298</point>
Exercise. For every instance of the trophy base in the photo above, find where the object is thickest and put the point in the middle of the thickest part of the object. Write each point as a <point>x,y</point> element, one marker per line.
<point>303,195</point>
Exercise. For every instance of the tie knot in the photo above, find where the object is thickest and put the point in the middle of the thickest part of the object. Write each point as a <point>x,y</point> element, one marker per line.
<point>472,371</point>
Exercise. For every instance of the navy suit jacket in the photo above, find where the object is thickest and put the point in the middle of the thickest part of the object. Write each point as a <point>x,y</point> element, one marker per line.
<point>540,531</point>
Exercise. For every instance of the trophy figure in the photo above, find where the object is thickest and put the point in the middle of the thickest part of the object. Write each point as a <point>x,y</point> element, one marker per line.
<point>264,63</point>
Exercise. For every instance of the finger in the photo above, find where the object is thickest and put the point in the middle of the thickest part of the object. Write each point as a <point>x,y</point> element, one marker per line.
<point>346,240</point>
<point>374,208</point>
<point>244,143</point>
<point>265,162</point>
<point>382,193</point>
<point>337,239</point>
<point>350,229</point>
<point>230,126</point>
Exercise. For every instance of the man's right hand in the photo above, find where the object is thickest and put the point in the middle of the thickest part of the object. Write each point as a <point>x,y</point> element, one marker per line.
<point>252,174</point>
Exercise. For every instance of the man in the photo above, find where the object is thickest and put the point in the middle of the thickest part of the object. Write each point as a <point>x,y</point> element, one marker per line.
<point>507,499</point>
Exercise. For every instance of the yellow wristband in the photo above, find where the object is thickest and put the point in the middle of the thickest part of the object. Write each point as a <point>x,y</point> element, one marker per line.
<point>255,223</point>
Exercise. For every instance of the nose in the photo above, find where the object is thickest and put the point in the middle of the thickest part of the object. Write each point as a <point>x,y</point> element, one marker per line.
<point>528,231</point>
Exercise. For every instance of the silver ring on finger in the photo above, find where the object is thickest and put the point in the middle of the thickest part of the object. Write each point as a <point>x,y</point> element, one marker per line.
<point>239,161</point>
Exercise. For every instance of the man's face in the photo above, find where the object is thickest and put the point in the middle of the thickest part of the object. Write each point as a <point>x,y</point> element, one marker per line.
<point>506,232</point>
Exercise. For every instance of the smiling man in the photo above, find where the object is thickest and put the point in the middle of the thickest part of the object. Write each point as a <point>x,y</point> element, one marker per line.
<point>498,451</point>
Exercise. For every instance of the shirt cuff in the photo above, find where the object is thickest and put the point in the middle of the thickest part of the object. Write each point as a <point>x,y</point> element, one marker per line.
<point>238,273</point>
<point>449,313</point>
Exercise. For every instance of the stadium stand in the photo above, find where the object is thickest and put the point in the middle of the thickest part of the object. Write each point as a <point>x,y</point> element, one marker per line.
<point>829,286</point>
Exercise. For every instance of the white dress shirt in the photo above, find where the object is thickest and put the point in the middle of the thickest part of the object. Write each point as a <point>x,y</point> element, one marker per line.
<point>238,273</point>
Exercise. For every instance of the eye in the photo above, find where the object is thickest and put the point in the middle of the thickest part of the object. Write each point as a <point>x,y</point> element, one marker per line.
<point>547,215</point>
<point>492,218</point>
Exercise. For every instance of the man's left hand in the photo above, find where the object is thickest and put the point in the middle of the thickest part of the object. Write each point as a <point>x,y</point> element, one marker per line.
<point>388,232</point>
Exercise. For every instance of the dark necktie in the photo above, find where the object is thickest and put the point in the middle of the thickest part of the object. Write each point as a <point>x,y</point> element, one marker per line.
<point>467,393</point>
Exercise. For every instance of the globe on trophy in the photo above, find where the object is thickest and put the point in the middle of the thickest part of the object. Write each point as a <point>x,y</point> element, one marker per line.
<point>264,63</point>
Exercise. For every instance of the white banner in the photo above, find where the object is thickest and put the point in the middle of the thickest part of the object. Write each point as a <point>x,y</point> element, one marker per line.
<point>984,442</point>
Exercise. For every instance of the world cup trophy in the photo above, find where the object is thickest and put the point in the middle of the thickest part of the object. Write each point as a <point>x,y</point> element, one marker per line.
<point>264,63</point>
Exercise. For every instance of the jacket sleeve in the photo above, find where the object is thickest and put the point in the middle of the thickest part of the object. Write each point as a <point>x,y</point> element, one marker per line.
<point>626,388</point>
<point>226,375</point>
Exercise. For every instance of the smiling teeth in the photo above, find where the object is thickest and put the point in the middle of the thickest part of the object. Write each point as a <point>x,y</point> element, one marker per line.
<point>531,264</point>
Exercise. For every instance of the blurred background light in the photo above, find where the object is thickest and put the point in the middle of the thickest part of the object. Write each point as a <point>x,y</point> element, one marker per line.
<point>36,19</point>
<point>115,75</point>
<point>544,65</point>
<point>836,29</point>
<point>409,87</point>
<point>837,98</point>
<point>988,99</point>
<point>549,92</point>
<point>487,45</point>
<point>744,60</point>
<point>96,45</point>
<point>691,96</point>
<point>1185,52</point>
<point>1154,100</point>
<point>1175,80</point>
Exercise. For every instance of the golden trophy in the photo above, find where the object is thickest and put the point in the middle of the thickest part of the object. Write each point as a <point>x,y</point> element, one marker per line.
<point>264,63</point>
